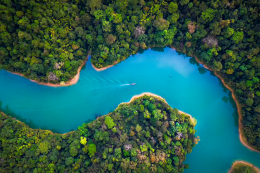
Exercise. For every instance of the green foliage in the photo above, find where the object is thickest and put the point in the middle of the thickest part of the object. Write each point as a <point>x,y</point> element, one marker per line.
<point>138,128</point>
<point>106,26</point>
<point>35,35</point>
<point>83,129</point>
<point>110,167</point>
<point>73,151</point>
<point>122,4</point>
<point>141,109</point>
<point>161,24</point>
<point>249,101</point>
<point>147,114</point>
<point>109,122</point>
<point>143,148</point>
<point>69,161</point>
<point>217,66</point>
<point>157,114</point>
<point>173,7</point>
<point>114,130</point>
<point>208,15</point>
<point>92,149</point>
<point>103,148</point>
<point>99,14</point>
<point>243,168</point>
<point>238,36</point>
<point>184,2</point>
<point>116,18</point>
<point>229,32</point>
<point>44,147</point>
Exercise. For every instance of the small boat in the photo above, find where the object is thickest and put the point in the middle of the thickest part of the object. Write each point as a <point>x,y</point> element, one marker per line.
<point>132,83</point>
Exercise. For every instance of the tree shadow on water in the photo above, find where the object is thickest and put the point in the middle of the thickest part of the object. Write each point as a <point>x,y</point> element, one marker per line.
<point>230,100</point>
<point>8,111</point>
<point>201,69</point>
<point>194,62</point>
<point>158,49</point>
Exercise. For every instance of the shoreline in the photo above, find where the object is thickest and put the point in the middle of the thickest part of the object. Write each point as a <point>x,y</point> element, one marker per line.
<point>104,68</point>
<point>244,162</point>
<point>73,81</point>
<point>131,100</point>
<point>51,132</point>
<point>154,95</point>
<point>242,138</point>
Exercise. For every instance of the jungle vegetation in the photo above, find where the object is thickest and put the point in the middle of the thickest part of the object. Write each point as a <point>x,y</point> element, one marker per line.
<point>243,168</point>
<point>145,135</point>
<point>47,40</point>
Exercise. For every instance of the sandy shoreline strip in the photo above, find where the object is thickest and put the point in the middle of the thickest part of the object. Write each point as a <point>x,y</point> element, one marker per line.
<point>154,95</point>
<point>104,68</point>
<point>246,163</point>
<point>73,81</point>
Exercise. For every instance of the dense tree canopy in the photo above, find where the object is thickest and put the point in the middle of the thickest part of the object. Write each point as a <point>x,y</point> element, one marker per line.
<point>126,140</point>
<point>239,167</point>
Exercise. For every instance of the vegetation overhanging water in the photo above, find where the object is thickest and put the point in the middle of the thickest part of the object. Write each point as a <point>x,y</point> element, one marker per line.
<point>190,88</point>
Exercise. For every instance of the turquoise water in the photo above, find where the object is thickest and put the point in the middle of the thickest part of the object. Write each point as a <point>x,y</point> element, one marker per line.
<point>190,88</point>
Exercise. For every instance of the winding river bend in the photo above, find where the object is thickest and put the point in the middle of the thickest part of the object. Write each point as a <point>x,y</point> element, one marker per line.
<point>184,83</point>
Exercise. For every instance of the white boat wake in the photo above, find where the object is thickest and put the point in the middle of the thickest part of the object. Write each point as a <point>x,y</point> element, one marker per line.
<point>128,84</point>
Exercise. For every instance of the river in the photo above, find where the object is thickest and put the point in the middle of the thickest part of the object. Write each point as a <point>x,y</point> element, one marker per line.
<point>184,83</point>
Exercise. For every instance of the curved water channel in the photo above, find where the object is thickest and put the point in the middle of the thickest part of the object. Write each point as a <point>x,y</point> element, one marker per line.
<point>183,82</point>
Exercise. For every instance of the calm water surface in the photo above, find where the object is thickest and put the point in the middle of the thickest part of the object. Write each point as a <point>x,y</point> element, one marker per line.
<point>183,82</point>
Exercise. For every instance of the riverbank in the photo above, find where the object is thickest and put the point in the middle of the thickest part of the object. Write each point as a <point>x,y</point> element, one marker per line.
<point>32,128</point>
<point>86,144</point>
<point>240,127</point>
<point>73,81</point>
<point>104,68</point>
<point>241,134</point>
<point>241,163</point>
<point>131,100</point>
<point>159,97</point>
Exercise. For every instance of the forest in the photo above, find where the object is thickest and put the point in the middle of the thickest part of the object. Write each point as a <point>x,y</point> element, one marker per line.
<point>145,135</point>
<point>243,168</point>
<point>47,40</point>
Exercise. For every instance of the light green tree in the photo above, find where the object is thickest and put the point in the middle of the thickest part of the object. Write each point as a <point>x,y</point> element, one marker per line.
<point>238,36</point>
<point>109,122</point>
<point>173,7</point>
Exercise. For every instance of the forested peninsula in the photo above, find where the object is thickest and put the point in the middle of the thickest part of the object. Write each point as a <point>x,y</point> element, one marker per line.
<point>143,135</point>
<point>47,41</point>
<point>243,167</point>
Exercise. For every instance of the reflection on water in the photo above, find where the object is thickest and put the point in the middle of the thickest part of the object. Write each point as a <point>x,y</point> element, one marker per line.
<point>8,111</point>
<point>182,81</point>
